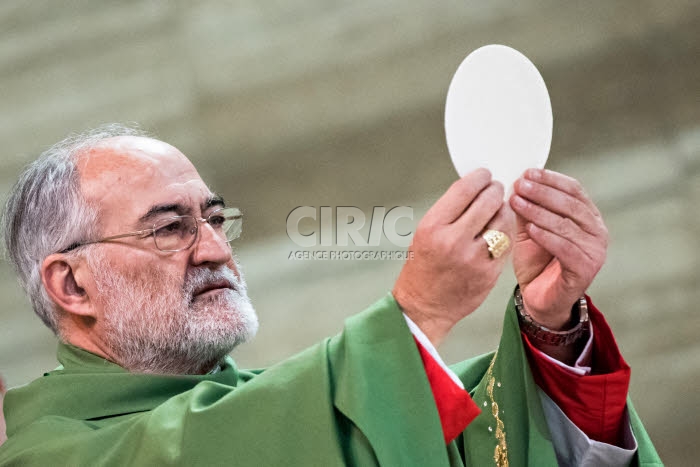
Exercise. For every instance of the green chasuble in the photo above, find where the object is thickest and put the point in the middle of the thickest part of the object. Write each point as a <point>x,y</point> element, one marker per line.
<point>360,398</point>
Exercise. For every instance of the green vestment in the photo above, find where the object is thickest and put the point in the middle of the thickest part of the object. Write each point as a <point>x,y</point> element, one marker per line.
<point>360,398</point>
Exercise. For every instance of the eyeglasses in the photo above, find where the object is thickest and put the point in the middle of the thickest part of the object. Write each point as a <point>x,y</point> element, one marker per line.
<point>180,232</point>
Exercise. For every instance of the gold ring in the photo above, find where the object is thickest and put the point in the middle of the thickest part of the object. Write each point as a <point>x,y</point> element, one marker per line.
<point>497,241</point>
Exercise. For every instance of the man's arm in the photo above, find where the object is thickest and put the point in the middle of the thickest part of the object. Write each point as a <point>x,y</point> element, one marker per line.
<point>560,245</point>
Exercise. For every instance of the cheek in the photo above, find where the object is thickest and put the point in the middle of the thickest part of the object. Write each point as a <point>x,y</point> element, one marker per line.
<point>160,278</point>
<point>147,268</point>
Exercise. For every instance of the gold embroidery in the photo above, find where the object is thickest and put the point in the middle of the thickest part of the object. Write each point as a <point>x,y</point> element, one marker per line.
<point>500,454</point>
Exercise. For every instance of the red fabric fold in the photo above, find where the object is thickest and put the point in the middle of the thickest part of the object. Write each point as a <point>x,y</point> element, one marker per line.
<point>455,407</point>
<point>595,403</point>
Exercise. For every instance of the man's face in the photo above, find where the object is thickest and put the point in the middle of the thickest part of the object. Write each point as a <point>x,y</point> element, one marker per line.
<point>168,312</point>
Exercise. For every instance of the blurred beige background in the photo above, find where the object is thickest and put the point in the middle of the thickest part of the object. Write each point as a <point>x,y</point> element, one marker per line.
<point>331,103</point>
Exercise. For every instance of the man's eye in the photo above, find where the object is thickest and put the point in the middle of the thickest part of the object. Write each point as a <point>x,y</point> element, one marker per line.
<point>171,228</point>
<point>217,220</point>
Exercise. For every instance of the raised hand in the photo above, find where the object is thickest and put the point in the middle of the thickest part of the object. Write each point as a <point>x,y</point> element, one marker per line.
<point>452,271</point>
<point>560,244</point>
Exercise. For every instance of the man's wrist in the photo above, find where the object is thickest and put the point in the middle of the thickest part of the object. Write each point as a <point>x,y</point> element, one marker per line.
<point>542,334</point>
<point>434,327</point>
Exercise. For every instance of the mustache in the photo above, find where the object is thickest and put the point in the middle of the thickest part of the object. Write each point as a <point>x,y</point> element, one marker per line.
<point>203,278</point>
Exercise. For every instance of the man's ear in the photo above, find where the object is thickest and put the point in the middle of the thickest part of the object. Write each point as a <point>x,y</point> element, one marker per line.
<point>62,277</point>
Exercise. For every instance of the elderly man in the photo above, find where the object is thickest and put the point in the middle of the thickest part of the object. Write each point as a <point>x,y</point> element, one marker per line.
<point>124,253</point>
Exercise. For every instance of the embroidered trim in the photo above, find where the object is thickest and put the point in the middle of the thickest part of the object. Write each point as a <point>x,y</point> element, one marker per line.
<point>500,453</point>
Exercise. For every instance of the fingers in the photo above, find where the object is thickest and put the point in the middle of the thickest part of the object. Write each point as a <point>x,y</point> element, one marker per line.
<point>563,183</point>
<point>458,198</point>
<point>486,205</point>
<point>559,217</point>
<point>503,222</point>
<point>555,223</point>
<point>552,206</point>
<point>570,254</point>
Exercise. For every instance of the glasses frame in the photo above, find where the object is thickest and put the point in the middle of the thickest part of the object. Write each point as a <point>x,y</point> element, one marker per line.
<point>151,232</point>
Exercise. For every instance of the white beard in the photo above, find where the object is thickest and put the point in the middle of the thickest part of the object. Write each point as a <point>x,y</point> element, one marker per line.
<point>153,324</point>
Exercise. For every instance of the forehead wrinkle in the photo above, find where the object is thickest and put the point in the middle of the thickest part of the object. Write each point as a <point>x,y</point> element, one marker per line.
<point>127,159</point>
<point>119,175</point>
<point>130,154</point>
<point>102,168</point>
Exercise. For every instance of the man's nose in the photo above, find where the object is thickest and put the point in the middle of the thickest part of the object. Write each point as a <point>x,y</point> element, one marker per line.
<point>210,247</point>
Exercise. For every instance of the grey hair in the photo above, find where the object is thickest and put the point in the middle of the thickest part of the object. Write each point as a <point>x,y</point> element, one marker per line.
<point>46,212</point>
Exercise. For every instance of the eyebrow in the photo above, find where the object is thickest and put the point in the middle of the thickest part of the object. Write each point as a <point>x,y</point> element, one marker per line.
<point>159,209</point>
<point>214,200</point>
<point>180,209</point>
